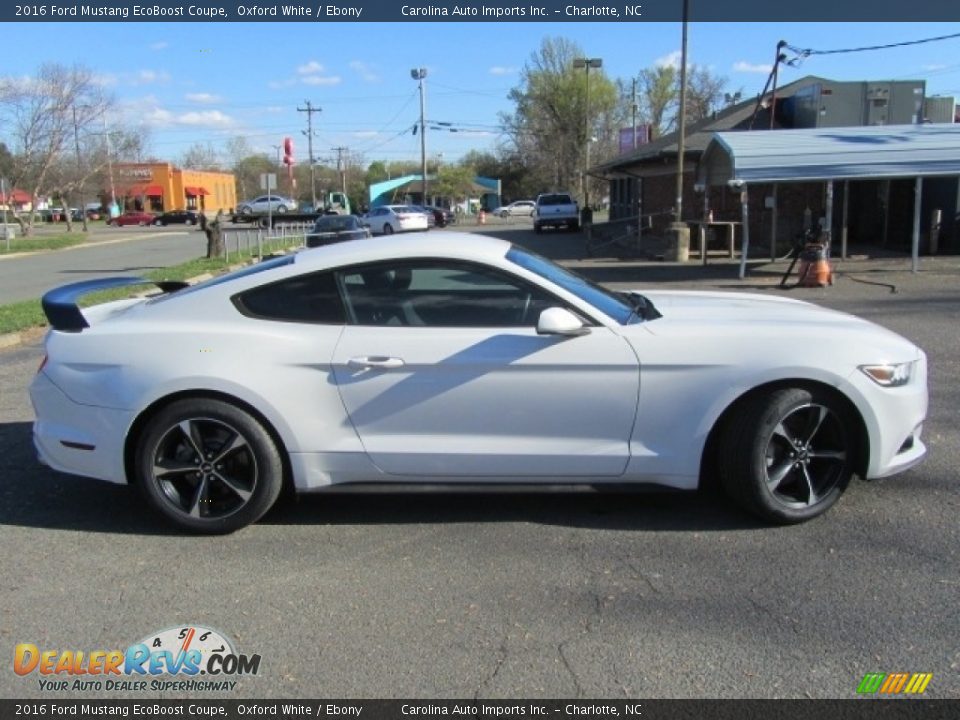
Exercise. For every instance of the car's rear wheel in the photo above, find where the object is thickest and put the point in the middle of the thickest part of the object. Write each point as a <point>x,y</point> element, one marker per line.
<point>789,454</point>
<point>504,214</point>
<point>188,221</point>
<point>387,229</point>
<point>281,208</point>
<point>208,466</point>
<point>142,223</point>
<point>158,222</point>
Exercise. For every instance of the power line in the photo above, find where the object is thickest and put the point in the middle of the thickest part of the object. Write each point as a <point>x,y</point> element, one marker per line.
<point>807,52</point>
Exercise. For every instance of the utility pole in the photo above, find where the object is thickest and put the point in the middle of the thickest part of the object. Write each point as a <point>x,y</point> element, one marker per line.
<point>310,110</point>
<point>635,108</point>
<point>419,74</point>
<point>342,167</point>
<point>76,144</point>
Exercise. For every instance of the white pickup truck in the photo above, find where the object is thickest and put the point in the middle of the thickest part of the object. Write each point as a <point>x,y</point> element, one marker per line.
<point>555,210</point>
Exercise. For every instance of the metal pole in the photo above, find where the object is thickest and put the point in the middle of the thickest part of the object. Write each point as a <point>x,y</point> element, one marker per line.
<point>113,191</point>
<point>76,144</point>
<point>681,144</point>
<point>915,250</point>
<point>846,215</point>
<point>586,164</point>
<point>635,108</point>
<point>828,225</point>
<point>423,136</point>
<point>773,226</point>
<point>310,110</point>
<point>6,201</point>
<point>745,217</point>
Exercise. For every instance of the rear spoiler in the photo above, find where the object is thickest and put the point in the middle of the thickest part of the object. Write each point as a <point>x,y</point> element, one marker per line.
<point>60,304</point>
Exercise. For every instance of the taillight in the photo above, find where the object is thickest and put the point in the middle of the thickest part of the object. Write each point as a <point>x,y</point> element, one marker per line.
<point>43,364</point>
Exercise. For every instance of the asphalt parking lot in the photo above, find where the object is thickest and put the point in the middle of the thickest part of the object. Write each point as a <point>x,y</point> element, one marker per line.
<point>503,595</point>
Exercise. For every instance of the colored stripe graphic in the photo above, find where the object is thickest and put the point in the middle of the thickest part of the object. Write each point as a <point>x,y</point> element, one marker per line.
<point>871,683</point>
<point>894,683</point>
<point>918,683</point>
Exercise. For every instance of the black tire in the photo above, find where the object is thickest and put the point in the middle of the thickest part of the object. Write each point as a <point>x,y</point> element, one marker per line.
<point>158,222</point>
<point>537,228</point>
<point>246,210</point>
<point>238,475</point>
<point>787,455</point>
<point>263,222</point>
<point>281,208</point>
<point>387,229</point>
<point>188,221</point>
<point>504,214</point>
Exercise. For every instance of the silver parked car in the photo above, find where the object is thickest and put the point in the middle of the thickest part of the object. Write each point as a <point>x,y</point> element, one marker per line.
<point>524,208</point>
<point>267,203</point>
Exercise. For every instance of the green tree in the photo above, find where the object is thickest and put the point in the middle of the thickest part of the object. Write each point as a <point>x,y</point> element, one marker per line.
<point>553,120</point>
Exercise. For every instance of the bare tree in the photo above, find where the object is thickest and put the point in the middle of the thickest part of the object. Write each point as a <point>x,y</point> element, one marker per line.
<point>200,156</point>
<point>44,115</point>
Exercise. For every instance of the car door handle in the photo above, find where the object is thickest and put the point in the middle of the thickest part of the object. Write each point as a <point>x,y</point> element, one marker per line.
<point>376,361</point>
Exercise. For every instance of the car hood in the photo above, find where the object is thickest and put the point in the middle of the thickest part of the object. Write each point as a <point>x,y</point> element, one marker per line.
<point>750,315</point>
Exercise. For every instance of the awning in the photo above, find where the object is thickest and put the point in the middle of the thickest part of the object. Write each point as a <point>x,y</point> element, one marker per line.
<point>202,191</point>
<point>17,196</point>
<point>843,153</point>
<point>195,191</point>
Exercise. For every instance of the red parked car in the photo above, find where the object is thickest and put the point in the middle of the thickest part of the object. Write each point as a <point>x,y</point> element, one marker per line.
<point>133,218</point>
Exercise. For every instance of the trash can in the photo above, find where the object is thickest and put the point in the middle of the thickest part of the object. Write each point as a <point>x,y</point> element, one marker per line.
<point>586,216</point>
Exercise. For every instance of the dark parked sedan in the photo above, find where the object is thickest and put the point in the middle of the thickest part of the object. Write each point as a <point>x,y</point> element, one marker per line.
<point>442,216</point>
<point>178,217</point>
<point>336,228</point>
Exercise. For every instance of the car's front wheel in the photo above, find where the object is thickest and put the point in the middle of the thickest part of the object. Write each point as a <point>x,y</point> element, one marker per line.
<point>281,208</point>
<point>387,229</point>
<point>788,455</point>
<point>208,466</point>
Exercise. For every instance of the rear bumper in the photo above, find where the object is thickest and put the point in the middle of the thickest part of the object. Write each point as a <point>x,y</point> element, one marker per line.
<point>78,439</point>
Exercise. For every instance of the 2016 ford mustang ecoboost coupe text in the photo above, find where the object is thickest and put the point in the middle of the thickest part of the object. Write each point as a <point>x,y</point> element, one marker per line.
<point>436,358</point>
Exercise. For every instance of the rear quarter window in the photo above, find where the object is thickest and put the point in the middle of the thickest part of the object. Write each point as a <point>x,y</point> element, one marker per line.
<point>312,298</point>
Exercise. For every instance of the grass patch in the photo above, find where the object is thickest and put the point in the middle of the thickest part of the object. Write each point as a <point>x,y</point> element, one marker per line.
<point>43,242</point>
<point>28,313</point>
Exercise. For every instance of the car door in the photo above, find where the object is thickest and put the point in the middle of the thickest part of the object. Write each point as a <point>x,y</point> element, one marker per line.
<point>442,373</point>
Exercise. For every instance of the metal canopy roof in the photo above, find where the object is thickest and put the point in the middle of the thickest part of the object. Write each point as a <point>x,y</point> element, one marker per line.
<point>847,153</point>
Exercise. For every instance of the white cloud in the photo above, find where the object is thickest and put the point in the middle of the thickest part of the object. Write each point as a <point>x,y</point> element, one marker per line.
<point>160,118</point>
<point>744,66</point>
<point>500,70</point>
<point>162,44</point>
<point>671,60</point>
<point>206,118</point>
<point>310,68</point>
<point>364,70</point>
<point>203,97</point>
<point>149,77</point>
<point>935,66</point>
<point>321,80</point>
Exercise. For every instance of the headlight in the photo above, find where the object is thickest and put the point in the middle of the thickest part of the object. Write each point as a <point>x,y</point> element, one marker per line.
<point>889,374</point>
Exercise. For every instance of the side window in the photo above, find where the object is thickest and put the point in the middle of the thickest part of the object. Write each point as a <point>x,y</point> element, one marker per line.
<point>440,294</point>
<point>303,299</point>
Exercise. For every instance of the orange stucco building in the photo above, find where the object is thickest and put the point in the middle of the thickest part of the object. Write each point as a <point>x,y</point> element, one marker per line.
<point>159,186</point>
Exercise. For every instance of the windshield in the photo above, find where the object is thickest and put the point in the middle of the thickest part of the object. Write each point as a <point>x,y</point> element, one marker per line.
<point>609,303</point>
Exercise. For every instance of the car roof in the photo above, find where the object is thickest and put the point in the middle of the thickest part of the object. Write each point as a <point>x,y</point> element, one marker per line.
<point>435,243</point>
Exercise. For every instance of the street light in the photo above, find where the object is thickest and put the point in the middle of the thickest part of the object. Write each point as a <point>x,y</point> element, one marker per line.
<point>586,64</point>
<point>419,74</point>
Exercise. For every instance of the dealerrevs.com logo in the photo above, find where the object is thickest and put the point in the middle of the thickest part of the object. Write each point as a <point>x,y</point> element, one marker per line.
<point>184,658</point>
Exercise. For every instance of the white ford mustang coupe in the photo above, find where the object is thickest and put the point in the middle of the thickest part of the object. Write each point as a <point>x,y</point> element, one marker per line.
<point>444,358</point>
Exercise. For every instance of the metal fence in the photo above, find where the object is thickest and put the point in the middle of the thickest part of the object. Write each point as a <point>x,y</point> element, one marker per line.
<point>257,242</point>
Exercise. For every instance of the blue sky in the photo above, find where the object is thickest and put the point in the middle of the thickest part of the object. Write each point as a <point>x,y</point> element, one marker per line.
<point>200,82</point>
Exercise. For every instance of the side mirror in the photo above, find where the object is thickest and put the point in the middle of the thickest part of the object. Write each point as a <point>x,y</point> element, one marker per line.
<point>560,321</point>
